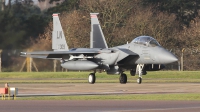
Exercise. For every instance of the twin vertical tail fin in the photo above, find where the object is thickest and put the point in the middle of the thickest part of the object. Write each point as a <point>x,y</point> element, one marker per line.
<point>58,37</point>
<point>97,39</point>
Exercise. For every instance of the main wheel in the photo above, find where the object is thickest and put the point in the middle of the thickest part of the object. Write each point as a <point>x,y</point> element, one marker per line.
<point>123,79</point>
<point>91,78</point>
<point>139,80</point>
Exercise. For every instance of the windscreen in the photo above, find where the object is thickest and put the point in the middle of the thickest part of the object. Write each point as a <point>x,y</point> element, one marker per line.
<point>146,41</point>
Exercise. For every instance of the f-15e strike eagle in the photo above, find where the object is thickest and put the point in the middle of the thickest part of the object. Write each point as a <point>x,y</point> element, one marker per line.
<point>142,54</point>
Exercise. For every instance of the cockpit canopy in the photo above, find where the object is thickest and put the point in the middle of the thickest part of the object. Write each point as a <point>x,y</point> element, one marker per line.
<point>146,40</point>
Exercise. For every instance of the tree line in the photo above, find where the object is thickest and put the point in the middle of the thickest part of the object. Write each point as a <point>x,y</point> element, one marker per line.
<point>174,23</point>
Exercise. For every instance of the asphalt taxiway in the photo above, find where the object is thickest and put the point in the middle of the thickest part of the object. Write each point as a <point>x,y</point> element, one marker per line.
<point>58,89</point>
<point>105,88</point>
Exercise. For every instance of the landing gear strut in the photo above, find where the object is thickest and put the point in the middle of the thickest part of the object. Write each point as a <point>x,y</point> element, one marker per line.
<point>123,78</point>
<point>91,78</point>
<point>140,67</point>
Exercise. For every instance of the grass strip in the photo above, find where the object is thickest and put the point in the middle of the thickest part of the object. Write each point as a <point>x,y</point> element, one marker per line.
<point>81,77</point>
<point>155,74</point>
<point>178,96</point>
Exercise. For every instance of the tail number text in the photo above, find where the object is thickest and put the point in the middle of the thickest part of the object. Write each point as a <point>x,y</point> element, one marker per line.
<point>61,46</point>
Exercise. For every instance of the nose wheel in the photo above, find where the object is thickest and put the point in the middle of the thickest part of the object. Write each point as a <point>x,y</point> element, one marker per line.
<point>123,78</point>
<point>91,78</point>
<point>139,80</point>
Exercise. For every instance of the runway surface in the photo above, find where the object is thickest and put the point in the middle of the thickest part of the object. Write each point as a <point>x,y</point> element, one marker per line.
<point>26,90</point>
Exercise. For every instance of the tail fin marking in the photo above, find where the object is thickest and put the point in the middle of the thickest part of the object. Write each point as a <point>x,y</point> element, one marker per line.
<point>58,37</point>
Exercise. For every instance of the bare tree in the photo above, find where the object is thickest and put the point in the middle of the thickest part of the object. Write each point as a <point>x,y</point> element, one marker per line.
<point>76,26</point>
<point>113,15</point>
<point>3,5</point>
<point>156,24</point>
<point>122,21</point>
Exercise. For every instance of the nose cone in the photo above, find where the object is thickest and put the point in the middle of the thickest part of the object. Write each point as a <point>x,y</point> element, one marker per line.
<point>166,57</point>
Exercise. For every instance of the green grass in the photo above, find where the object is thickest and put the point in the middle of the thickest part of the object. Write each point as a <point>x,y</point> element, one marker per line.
<point>156,74</point>
<point>81,77</point>
<point>175,74</point>
<point>192,96</point>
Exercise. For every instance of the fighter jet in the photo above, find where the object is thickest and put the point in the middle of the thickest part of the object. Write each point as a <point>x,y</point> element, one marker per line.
<point>142,54</point>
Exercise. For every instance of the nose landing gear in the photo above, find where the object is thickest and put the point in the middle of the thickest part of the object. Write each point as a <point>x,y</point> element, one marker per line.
<point>139,80</point>
<point>139,68</point>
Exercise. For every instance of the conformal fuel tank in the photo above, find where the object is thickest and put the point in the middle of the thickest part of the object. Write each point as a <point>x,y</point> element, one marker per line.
<point>79,65</point>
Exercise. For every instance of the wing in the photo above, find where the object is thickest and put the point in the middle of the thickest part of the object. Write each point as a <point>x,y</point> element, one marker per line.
<point>60,54</point>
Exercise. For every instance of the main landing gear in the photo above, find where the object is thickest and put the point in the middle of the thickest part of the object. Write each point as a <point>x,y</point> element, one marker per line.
<point>123,78</point>
<point>91,78</point>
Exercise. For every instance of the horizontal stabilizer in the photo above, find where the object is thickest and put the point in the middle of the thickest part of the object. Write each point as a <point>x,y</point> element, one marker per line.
<point>35,56</point>
<point>39,56</point>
